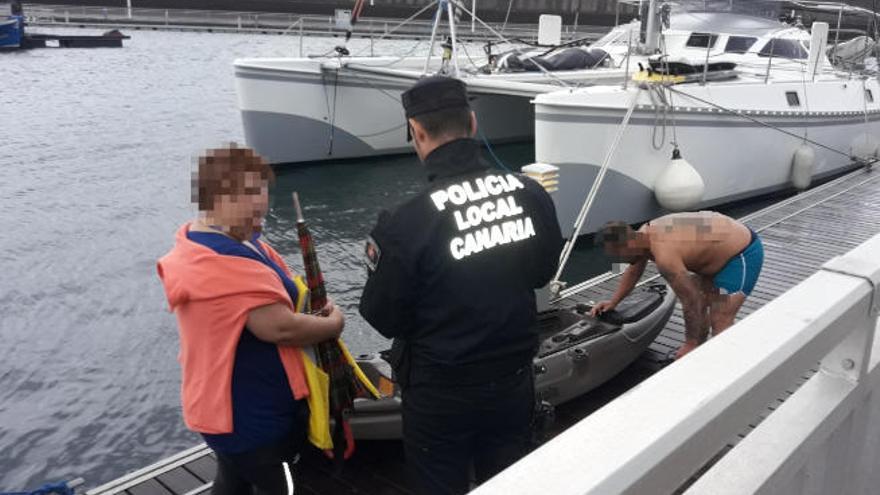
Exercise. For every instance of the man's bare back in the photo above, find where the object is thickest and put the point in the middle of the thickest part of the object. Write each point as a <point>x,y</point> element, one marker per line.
<point>700,255</point>
<point>703,241</point>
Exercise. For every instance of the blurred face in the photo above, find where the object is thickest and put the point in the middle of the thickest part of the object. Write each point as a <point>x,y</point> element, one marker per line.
<point>630,252</point>
<point>244,209</point>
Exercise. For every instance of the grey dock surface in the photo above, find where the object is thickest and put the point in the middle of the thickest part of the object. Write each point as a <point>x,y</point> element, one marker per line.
<point>799,235</point>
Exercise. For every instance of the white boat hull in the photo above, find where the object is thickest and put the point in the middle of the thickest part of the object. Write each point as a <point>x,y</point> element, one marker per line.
<point>303,110</point>
<point>736,158</point>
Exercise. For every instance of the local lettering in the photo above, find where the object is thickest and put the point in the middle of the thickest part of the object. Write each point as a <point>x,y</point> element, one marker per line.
<point>485,212</point>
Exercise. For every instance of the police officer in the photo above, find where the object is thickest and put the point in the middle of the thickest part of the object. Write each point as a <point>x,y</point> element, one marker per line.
<point>452,275</point>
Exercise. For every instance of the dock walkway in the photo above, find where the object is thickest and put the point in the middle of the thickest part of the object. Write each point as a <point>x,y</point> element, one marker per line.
<point>799,235</point>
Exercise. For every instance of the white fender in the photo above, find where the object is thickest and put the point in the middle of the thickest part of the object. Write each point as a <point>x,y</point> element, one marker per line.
<point>863,145</point>
<point>803,164</point>
<point>679,187</point>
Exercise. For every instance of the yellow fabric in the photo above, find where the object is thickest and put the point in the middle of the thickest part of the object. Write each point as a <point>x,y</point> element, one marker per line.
<point>319,404</point>
<point>303,290</point>
<point>644,76</point>
<point>319,381</point>
<point>358,373</point>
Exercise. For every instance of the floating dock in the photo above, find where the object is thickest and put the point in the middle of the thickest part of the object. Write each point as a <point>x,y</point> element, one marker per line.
<point>112,39</point>
<point>799,235</point>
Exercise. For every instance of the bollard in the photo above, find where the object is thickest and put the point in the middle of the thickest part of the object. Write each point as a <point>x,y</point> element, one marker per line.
<point>239,23</point>
<point>66,17</point>
<point>166,17</point>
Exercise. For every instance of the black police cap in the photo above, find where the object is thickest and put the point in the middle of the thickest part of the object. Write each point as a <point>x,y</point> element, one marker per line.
<point>434,93</point>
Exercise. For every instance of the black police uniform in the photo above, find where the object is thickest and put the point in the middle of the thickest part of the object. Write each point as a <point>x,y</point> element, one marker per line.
<point>452,278</point>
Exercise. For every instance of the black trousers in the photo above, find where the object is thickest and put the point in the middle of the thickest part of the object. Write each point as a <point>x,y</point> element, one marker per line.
<point>452,430</point>
<point>264,471</point>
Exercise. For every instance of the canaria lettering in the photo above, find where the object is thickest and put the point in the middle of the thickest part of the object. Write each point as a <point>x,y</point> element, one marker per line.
<point>491,236</point>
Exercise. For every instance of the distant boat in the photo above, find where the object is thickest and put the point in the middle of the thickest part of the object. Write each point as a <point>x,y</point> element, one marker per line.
<point>11,31</point>
<point>13,37</point>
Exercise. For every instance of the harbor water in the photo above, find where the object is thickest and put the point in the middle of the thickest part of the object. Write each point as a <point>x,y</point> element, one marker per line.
<point>96,152</point>
<point>97,149</point>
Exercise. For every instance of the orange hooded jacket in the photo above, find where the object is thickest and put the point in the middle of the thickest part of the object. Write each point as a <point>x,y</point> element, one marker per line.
<point>211,294</point>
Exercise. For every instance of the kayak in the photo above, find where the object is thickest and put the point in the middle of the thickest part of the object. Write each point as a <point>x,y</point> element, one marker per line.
<point>577,353</point>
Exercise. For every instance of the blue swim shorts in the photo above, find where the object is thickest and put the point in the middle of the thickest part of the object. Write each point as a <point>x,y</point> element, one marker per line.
<point>740,274</point>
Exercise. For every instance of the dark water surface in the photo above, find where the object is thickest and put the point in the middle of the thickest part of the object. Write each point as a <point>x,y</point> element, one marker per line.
<point>96,151</point>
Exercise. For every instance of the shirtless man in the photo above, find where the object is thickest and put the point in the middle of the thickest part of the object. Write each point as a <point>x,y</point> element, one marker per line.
<point>711,261</point>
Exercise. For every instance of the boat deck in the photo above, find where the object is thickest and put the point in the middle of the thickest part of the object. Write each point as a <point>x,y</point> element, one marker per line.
<point>799,235</point>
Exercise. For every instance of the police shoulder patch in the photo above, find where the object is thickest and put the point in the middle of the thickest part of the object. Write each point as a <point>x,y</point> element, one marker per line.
<point>372,253</point>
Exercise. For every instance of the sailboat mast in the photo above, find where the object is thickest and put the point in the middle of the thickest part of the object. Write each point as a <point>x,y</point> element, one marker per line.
<point>452,35</point>
<point>651,35</point>
<point>437,16</point>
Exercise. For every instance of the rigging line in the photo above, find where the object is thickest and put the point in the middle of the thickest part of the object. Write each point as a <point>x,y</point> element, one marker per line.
<point>468,55</point>
<point>333,115</point>
<point>761,122</point>
<point>579,83</point>
<point>665,87</point>
<point>491,151</point>
<point>506,40</point>
<point>400,58</point>
<point>506,16</point>
<point>658,100</point>
<point>672,117</point>
<point>326,94</point>
<point>407,20</point>
<point>555,284</point>
<point>806,103</point>
<point>379,133</point>
<point>391,96</point>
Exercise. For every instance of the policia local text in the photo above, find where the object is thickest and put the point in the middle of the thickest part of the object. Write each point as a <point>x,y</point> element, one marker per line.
<point>510,226</point>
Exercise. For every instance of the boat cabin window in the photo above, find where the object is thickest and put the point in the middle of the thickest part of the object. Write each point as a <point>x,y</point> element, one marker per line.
<point>702,40</point>
<point>793,98</point>
<point>783,48</point>
<point>869,96</point>
<point>739,44</point>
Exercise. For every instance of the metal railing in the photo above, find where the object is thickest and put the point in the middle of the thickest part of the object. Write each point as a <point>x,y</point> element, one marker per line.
<point>680,429</point>
<point>266,22</point>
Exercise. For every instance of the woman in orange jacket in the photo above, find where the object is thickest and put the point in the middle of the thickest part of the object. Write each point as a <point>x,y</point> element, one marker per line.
<point>237,306</point>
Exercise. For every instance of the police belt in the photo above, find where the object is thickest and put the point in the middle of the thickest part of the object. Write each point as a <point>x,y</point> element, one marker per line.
<point>471,373</point>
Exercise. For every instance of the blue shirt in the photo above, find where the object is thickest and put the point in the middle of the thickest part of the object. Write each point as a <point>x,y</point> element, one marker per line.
<point>264,410</point>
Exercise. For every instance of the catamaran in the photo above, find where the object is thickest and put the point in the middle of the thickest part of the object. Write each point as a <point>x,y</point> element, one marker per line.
<point>676,139</point>
<point>339,106</point>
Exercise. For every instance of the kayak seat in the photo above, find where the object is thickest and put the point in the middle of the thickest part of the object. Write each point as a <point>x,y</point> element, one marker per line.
<point>637,305</point>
